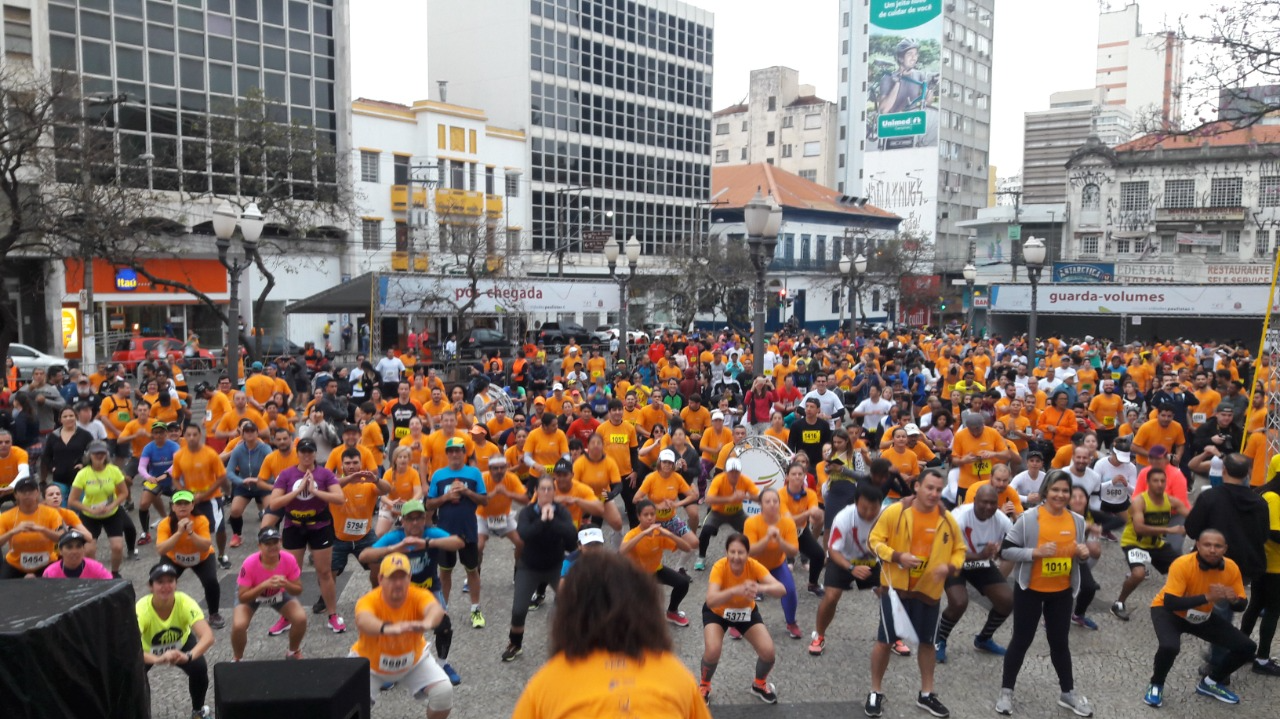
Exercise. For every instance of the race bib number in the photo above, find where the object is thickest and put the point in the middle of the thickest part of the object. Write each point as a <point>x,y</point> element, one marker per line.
<point>187,560</point>
<point>1195,616</point>
<point>122,416</point>
<point>619,439</point>
<point>497,524</point>
<point>394,664</point>
<point>1052,567</point>
<point>1109,422</point>
<point>1198,418</point>
<point>811,436</point>
<point>150,486</point>
<point>160,649</point>
<point>751,508</point>
<point>356,527</point>
<point>33,560</point>
<point>665,514</point>
<point>208,415</point>
<point>918,570</point>
<point>977,564</point>
<point>1114,494</point>
<point>1138,556</point>
<point>401,432</point>
<point>867,562</point>
<point>982,467</point>
<point>737,615</point>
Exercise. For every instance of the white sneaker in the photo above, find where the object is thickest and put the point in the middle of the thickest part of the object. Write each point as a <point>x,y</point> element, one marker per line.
<point>1004,705</point>
<point>1076,703</point>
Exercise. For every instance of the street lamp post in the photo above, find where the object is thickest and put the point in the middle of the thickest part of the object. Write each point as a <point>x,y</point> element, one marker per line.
<point>970,274</point>
<point>225,219</point>
<point>763,219</point>
<point>1033,252</point>
<point>611,252</point>
<point>856,269</point>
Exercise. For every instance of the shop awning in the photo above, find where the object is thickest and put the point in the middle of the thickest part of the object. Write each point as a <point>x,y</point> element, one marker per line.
<point>354,296</point>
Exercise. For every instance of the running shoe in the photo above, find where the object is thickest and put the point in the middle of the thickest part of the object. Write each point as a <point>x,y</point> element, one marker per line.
<point>336,625</point>
<point>875,705</point>
<point>933,705</point>
<point>900,648</point>
<point>1217,691</point>
<point>236,541</point>
<point>224,561</point>
<point>1268,668</point>
<point>280,627</point>
<point>216,621</point>
<point>200,713</point>
<point>452,673</point>
<point>940,651</point>
<point>1154,696</point>
<point>734,633</point>
<point>817,645</point>
<point>145,539</point>
<point>133,555</point>
<point>466,587</point>
<point>817,590</point>
<point>536,602</point>
<point>319,606</point>
<point>700,565</point>
<point>293,655</point>
<point>1119,610</point>
<point>388,686</point>
<point>793,630</point>
<point>1076,703</point>
<point>1081,620</point>
<point>989,646</point>
<point>477,619</point>
<point>1004,705</point>
<point>765,691</point>
<point>678,618</point>
<point>511,652</point>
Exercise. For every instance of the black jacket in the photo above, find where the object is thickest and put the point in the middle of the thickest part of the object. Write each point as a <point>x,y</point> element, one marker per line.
<point>545,543</point>
<point>1242,517</point>
<point>1204,435</point>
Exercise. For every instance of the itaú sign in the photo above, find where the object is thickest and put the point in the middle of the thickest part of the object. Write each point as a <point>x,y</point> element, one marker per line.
<point>126,280</point>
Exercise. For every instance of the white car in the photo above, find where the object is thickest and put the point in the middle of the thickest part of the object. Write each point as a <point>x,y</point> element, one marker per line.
<point>605,333</point>
<point>28,358</point>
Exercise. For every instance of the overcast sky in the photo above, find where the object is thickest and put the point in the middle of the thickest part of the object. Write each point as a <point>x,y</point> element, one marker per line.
<point>1041,46</point>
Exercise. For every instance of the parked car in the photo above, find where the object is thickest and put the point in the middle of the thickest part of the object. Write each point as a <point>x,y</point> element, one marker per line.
<point>481,341</point>
<point>27,358</point>
<point>556,335</point>
<point>135,349</point>
<point>275,346</point>
<point>606,333</point>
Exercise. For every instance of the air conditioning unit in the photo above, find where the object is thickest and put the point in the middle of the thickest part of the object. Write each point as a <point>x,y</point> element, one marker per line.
<point>951,7</point>
<point>946,61</point>
<point>951,35</point>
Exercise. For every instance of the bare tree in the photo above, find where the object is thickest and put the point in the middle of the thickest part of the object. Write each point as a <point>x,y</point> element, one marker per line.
<point>709,278</point>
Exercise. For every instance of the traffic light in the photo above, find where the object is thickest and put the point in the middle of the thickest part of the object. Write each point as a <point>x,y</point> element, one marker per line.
<point>942,303</point>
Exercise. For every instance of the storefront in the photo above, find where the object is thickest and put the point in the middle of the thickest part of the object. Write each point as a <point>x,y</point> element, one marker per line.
<point>127,304</point>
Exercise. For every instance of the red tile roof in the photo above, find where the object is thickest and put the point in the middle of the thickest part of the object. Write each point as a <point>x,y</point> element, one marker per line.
<point>734,186</point>
<point>1218,134</point>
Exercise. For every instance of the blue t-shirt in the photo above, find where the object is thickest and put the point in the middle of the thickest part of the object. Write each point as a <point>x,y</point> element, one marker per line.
<point>458,518</point>
<point>159,458</point>
<point>421,561</point>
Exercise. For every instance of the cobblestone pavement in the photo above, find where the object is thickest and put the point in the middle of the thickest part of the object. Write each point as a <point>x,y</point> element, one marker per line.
<point>1111,665</point>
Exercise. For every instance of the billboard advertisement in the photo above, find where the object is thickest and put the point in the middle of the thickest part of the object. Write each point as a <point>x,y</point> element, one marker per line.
<point>1084,272</point>
<point>904,61</point>
<point>1165,300</point>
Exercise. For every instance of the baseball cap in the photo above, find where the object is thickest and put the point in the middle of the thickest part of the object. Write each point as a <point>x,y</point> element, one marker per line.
<point>1037,454</point>
<point>1157,451</point>
<point>666,455</point>
<point>912,429</point>
<point>159,425</point>
<point>539,400</point>
<point>183,496</point>
<point>163,569</point>
<point>717,415</point>
<point>455,443</point>
<point>248,426</point>
<point>413,505</point>
<point>1121,455</point>
<point>69,537</point>
<point>392,563</point>
<point>564,466</point>
<point>498,460</point>
<point>269,534</point>
<point>97,446</point>
<point>306,445</point>
<point>350,428</point>
<point>591,535</point>
<point>26,484</point>
<point>557,386</point>
<point>478,428</point>
<point>733,464</point>
<point>257,366</point>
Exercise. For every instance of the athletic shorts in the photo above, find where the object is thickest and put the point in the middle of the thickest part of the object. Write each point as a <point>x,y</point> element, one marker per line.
<point>981,574</point>
<point>300,536</point>
<point>924,619</point>
<point>426,672</point>
<point>120,451</point>
<point>113,525</point>
<point>131,468</point>
<point>344,549</point>
<point>676,526</point>
<point>248,492</point>
<point>1159,557</point>
<point>470,555</point>
<point>709,617</point>
<point>282,600</point>
<point>499,526</point>
<point>164,488</point>
<point>837,577</point>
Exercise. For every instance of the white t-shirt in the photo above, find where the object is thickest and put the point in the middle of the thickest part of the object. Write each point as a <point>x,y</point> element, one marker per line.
<point>875,412</point>
<point>1063,378</point>
<point>828,403</point>
<point>1025,484</point>
<point>848,534</point>
<point>976,533</point>
<point>1091,483</point>
<point>389,369</point>
<point>1113,497</point>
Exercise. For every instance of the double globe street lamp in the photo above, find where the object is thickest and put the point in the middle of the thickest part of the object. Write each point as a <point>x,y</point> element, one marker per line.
<point>611,253</point>
<point>763,219</point>
<point>1033,253</point>
<point>251,222</point>
<point>970,274</point>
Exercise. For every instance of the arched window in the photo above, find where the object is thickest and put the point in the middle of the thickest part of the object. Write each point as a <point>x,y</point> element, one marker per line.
<point>1091,198</point>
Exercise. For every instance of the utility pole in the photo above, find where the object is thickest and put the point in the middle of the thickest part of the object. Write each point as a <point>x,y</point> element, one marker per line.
<point>1017,220</point>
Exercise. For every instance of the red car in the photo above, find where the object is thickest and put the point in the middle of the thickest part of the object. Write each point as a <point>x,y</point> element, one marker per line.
<point>136,349</point>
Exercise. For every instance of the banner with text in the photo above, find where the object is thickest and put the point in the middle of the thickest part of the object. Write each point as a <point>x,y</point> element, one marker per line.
<point>406,294</point>
<point>1233,273</point>
<point>1084,272</point>
<point>1178,300</point>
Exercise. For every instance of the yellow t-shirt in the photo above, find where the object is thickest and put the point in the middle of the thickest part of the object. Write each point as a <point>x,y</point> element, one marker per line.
<point>612,685</point>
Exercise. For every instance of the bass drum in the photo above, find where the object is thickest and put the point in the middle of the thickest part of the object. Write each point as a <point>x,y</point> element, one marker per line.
<point>500,399</point>
<point>765,461</point>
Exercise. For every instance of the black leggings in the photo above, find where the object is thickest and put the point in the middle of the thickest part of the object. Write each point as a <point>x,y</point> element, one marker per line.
<point>711,526</point>
<point>1028,606</point>
<point>197,671</point>
<point>1265,595</point>
<point>629,498</point>
<point>810,548</point>
<point>207,573</point>
<point>1089,589</point>
<point>679,584</point>
<point>528,581</point>
<point>1170,627</point>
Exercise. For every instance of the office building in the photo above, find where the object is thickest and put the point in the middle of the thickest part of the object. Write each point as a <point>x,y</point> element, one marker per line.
<point>1050,136</point>
<point>914,109</point>
<point>615,99</point>
<point>1140,72</point>
<point>782,123</point>
<point>1247,104</point>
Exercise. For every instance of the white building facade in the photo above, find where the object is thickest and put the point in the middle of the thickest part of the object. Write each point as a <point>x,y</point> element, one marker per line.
<point>1140,72</point>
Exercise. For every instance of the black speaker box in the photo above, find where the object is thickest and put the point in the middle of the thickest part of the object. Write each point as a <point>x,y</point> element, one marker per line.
<point>313,688</point>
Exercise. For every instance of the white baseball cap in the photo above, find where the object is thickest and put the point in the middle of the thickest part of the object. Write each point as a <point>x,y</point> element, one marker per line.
<point>666,455</point>
<point>717,415</point>
<point>733,464</point>
<point>557,386</point>
<point>912,429</point>
<point>591,535</point>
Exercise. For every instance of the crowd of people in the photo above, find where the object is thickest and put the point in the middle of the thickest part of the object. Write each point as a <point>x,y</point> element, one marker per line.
<point>912,465</point>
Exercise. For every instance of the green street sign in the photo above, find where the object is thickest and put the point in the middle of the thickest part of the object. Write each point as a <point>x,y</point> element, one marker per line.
<point>1015,232</point>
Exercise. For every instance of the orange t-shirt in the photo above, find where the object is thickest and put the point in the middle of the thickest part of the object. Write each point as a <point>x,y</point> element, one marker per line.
<point>771,555</point>
<point>9,465</point>
<point>1053,574</point>
<point>660,489</point>
<point>1151,434</point>
<point>1110,412</point>
<point>393,654</point>
<point>30,551</point>
<point>499,506</point>
<point>965,443</point>
<point>618,442</point>
<point>648,551</point>
<point>723,577</point>
<point>713,441</point>
<point>274,464</point>
<point>402,484</point>
<point>353,519</point>
<point>546,448</point>
<point>924,529</point>
<point>197,472</point>
<point>906,462</point>
<point>599,476</point>
<point>185,553</point>
<point>720,487</point>
<point>435,455</point>
<point>581,491</point>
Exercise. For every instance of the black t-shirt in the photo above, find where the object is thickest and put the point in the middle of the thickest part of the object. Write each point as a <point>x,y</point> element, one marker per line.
<point>809,438</point>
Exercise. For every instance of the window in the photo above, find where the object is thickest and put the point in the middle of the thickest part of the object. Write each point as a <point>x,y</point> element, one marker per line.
<point>1123,247</point>
<point>722,155</point>
<point>835,302</point>
<point>1133,197</point>
<point>1231,243</point>
<point>722,128</point>
<point>813,121</point>
<point>1091,198</point>
<point>786,151</point>
<point>371,234</point>
<point>744,154</point>
<point>810,175</point>
<point>1261,244</point>
<point>369,166</point>
<point>812,149</point>
<point>822,249</point>
<point>402,236</point>
<point>17,33</point>
<point>1226,192</point>
<point>512,185</point>
<point>401,170</point>
<point>1186,249</point>
<point>875,300</point>
<point>744,125</point>
<point>1179,193</point>
<point>1269,191</point>
<point>768,138</point>
<point>1089,244</point>
<point>773,103</point>
<point>488,180</point>
<point>844,22</point>
<point>788,121</point>
<point>840,160</point>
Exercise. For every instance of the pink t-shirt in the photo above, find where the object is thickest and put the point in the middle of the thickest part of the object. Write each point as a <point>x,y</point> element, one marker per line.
<point>92,570</point>
<point>1175,483</point>
<point>252,573</point>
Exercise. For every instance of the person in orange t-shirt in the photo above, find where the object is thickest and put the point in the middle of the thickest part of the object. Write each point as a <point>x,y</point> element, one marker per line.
<point>1058,422</point>
<point>734,583</point>
<point>646,544</point>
